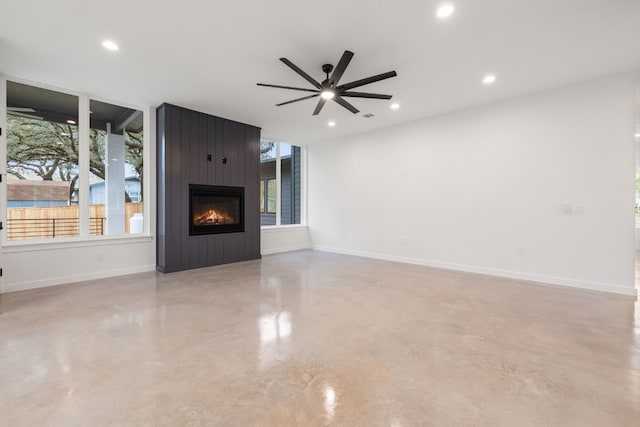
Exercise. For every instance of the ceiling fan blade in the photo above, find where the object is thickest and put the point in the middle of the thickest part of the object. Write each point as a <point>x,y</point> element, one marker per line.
<point>21,109</point>
<point>345,104</point>
<point>342,65</point>
<point>306,76</point>
<point>288,87</point>
<point>321,103</point>
<point>298,99</point>
<point>368,80</point>
<point>365,95</point>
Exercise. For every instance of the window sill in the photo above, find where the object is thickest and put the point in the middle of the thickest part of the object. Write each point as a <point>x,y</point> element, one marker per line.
<point>45,245</point>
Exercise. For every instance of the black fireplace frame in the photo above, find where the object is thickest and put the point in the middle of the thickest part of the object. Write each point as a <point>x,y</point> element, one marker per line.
<point>217,191</point>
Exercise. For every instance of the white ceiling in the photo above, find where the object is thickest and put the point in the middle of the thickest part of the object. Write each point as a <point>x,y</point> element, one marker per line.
<point>209,55</point>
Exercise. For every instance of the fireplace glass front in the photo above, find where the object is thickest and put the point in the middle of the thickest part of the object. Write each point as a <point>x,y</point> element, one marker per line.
<point>215,209</point>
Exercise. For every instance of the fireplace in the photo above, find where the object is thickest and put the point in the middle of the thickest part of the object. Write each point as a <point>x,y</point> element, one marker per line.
<point>215,209</point>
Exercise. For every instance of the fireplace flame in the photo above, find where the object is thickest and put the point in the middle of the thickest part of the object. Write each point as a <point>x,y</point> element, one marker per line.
<point>210,217</point>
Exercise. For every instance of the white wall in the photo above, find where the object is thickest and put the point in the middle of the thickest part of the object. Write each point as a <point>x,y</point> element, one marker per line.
<point>52,264</point>
<point>283,239</point>
<point>489,189</point>
<point>28,267</point>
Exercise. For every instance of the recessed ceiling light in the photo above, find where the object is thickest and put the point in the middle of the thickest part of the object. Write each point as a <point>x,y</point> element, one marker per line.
<point>395,106</point>
<point>331,124</point>
<point>489,79</point>
<point>110,45</point>
<point>637,135</point>
<point>445,11</point>
<point>327,94</point>
<point>71,122</point>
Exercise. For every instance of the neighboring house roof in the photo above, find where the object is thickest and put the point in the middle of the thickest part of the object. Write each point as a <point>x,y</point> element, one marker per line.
<point>128,179</point>
<point>273,159</point>
<point>23,189</point>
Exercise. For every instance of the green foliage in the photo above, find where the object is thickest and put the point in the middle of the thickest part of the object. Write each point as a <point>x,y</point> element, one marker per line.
<point>266,148</point>
<point>49,150</point>
<point>134,144</point>
<point>42,148</point>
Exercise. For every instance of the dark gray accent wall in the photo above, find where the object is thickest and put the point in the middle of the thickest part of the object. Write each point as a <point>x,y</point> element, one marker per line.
<point>185,139</point>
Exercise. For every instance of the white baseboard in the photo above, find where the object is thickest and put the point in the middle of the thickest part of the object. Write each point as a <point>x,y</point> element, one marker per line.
<point>273,251</point>
<point>550,280</point>
<point>604,287</point>
<point>61,280</point>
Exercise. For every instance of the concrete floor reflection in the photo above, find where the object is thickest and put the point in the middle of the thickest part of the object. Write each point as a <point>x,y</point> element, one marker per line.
<point>314,339</point>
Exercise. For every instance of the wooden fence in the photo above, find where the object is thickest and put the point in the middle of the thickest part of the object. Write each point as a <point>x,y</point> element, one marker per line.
<point>59,221</point>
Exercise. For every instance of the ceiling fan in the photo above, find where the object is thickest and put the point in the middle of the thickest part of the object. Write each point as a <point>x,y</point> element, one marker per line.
<point>329,88</point>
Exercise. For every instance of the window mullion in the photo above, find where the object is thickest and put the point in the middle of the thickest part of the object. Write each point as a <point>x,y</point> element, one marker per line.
<point>83,164</point>
<point>278,186</point>
<point>3,155</point>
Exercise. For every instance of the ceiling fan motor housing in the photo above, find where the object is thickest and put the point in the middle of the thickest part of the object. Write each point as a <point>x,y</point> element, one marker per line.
<point>327,69</point>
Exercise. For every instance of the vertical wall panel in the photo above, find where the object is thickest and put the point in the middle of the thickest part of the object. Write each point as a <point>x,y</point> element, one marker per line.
<point>202,166</point>
<point>243,153</point>
<point>226,172</point>
<point>161,189</point>
<point>211,149</point>
<point>173,187</point>
<point>219,143</point>
<point>212,167</point>
<point>185,138</point>
<point>253,167</point>
<point>183,196</point>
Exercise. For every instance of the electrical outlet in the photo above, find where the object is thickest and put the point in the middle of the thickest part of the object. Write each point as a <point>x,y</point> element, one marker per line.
<point>520,252</point>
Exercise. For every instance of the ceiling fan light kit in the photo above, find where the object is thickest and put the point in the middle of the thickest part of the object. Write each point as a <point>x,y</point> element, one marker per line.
<point>329,89</point>
<point>327,94</point>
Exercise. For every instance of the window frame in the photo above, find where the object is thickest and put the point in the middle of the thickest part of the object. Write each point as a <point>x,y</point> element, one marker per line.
<point>263,194</point>
<point>267,193</point>
<point>278,178</point>
<point>83,161</point>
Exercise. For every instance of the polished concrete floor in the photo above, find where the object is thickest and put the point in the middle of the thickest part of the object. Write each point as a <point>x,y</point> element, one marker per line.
<point>312,339</point>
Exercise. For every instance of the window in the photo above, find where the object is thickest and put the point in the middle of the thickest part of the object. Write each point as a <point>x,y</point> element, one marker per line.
<point>268,196</point>
<point>271,196</point>
<point>290,184</point>
<point>116,169</point>
<point>267,178</point>
<point>42,163</point>
<point>67,177</point>
<point>280,183</point>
